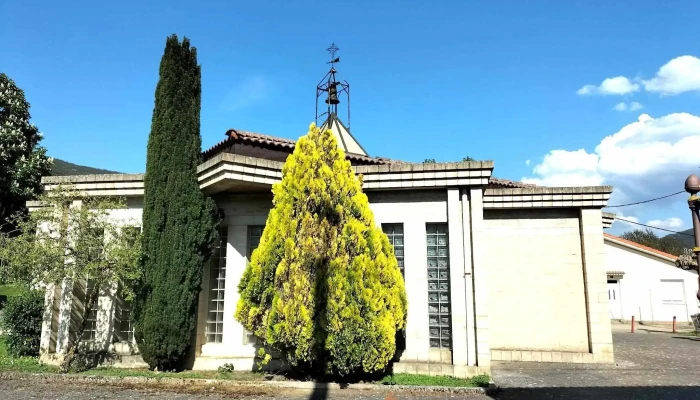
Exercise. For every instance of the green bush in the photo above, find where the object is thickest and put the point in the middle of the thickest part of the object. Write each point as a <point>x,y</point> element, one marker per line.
<point>22,321</point>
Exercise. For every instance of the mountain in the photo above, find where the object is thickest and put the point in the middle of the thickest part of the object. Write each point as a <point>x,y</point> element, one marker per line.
<point>688,241</point>
<point>62,168</point>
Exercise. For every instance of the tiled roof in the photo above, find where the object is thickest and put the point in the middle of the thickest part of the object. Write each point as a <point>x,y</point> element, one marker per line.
<point>629,243</point>
<point>267,141</point>
<point>505,183</point>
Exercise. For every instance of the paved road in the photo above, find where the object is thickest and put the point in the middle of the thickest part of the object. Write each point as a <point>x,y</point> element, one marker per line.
<point>648,366</point>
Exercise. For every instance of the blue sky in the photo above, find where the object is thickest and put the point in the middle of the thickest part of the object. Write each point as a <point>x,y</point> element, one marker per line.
<point>493,80</point>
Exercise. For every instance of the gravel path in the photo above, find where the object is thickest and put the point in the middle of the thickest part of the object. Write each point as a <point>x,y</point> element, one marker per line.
<point>13,389</point>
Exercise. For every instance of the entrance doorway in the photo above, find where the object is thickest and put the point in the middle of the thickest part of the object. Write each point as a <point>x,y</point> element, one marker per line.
<point>614,302</point>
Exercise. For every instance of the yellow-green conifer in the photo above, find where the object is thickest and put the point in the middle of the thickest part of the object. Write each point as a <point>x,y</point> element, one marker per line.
<point>323,287</point>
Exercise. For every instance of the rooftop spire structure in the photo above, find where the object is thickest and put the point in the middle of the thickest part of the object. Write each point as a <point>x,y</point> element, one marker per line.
<point>333,89</point>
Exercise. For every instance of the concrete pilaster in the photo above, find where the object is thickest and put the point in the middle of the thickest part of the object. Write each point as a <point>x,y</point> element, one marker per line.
<point>416,274</point>
<point>47,318</point>
<point>457,282</point>
<point>105,317</point>
<point>595,283</point>
<point>64,316</point>
<point>468,279</point>
<point>483,351</point>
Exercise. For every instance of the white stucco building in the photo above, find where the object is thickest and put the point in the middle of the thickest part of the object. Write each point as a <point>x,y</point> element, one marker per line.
<point>646,283</point>
<point>494,269</point>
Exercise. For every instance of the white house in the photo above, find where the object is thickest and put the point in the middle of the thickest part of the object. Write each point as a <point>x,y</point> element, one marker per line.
<point>646,283</point>
<point>494,269</point>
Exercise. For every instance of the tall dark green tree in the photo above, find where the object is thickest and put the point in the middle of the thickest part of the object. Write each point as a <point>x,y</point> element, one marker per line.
<point>179,222</point>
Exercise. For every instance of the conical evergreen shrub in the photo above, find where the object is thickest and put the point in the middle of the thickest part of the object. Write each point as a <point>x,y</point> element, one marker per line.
<point>323,287</point>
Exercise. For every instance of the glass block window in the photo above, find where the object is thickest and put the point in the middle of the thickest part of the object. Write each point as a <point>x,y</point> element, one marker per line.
<point>90,314</point>
<point>439,286</point>
<point>253,241</point>
<point>395,234</point>
<point>217,287</point>
<point>254,235</point>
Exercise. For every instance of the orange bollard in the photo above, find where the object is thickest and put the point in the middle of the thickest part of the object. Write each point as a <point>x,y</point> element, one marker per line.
<point>633,324</point>
<point>674,324</point>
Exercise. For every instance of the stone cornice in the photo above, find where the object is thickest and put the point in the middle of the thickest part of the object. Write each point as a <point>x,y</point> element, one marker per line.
<point>540,197</point>
<point>405,175</point>
<point>221,171</point>
<point>608,219</point>
<point>126,185</point>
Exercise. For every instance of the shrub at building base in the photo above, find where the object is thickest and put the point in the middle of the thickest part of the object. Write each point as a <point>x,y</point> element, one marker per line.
<point>323,287</point>
<point>21,322</point>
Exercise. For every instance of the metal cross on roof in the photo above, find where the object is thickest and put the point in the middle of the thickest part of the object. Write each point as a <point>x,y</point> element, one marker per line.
<point>332,50</point>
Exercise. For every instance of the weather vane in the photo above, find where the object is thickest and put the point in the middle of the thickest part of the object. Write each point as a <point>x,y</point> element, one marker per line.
<point>331,88</point>
<point>332,50</point>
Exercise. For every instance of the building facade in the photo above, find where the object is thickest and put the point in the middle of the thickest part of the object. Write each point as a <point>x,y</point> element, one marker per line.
<point>494,269</point>
<point>647,284</point>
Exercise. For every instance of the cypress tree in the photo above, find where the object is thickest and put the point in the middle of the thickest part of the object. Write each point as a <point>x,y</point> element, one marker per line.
<point>179,222</point>
<point>323,288</point>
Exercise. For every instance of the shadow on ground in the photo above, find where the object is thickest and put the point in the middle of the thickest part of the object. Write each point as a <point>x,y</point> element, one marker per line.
<point>693,338</point>
<point>600,393</point>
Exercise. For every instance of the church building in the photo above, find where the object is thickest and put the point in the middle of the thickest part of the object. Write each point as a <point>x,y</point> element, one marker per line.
<point>495,270</point>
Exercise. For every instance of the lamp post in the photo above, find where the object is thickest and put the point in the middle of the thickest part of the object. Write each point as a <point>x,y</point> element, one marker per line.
<point>692,186</point>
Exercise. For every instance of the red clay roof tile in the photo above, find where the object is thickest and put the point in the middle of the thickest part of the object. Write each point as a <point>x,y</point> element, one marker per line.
<point>640,246</point>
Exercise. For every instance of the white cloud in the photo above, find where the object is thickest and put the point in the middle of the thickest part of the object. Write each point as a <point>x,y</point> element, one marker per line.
<point>672,223</point>
<point>250,91</point>
<point>633,106</point>
<point>682,74</point>
<point>527,162</point>
<point>626,220</point>
<point>647,158</point>
<point>611,86</point>
<point>621,106</point>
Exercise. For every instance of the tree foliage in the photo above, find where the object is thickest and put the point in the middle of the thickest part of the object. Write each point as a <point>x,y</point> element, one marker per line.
<point>74,240</point>
<point>323,287</point>
<point>22,160</point>
<point>668,244</point>
<point>179,222</point>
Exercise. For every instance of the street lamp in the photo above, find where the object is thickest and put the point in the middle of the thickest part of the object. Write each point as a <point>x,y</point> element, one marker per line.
<point>692,186</point>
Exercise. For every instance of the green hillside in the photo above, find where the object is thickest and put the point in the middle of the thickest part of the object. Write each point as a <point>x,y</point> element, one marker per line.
<point>62,168</point>
<point>688,241</point>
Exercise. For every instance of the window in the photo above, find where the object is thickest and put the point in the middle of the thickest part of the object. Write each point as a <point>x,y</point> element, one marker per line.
<point>123,328</point>
<point>254,235</point>
<point>395,234</point>
<point>439,286</point>
<point>672,291</point>
<point>217,287</point>
<point>90,313</point>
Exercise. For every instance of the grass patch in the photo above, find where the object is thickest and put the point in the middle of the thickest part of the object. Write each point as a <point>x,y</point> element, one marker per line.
<point>32,365</point>
<point>425,380</point>
<point>10,290</point>
<point>141,372</point>
<point>3,347</point>
<point>688,333</point>
<point>21,364</point>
